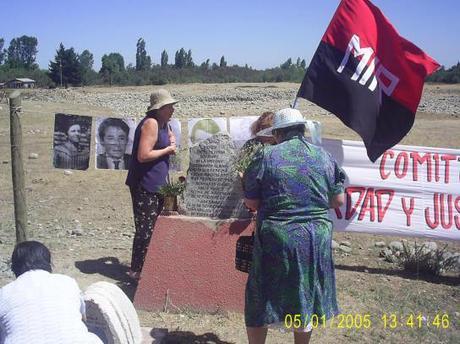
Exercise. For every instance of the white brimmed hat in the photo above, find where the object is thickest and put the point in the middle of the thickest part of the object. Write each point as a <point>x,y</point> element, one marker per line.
<point>283,119</point>
<point>160,98</point>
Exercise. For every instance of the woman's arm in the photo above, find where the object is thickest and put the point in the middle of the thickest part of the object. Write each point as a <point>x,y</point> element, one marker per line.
<point>252,204</point>
<point>149,137</point>
<point>336,195</point>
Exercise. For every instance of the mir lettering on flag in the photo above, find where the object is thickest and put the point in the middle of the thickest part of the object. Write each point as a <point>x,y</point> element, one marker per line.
<point>369,76</point>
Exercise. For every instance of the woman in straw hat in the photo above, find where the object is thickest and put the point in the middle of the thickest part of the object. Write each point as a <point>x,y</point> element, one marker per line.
<point>153,143</point>
<point>292,185</point>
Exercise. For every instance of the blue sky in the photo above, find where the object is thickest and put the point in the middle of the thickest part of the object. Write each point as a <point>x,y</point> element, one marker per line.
<point>261,33</point>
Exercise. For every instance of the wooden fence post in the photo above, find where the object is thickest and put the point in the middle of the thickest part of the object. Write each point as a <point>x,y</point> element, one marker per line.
<point>20,209</point>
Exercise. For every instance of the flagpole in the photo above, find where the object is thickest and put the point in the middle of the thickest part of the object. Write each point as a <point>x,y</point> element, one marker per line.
<point>294,104</point>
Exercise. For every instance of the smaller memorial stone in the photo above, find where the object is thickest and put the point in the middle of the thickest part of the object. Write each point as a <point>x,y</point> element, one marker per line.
<point>111,315</point>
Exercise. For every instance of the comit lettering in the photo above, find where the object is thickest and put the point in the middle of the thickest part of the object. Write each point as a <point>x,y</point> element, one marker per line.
<point>381,73</point>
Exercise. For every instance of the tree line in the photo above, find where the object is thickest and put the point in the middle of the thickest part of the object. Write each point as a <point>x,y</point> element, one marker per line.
<point>449,76</point>
<point>70,68</point>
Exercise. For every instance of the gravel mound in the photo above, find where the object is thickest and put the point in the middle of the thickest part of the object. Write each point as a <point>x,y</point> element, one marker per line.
<point>234,99</point>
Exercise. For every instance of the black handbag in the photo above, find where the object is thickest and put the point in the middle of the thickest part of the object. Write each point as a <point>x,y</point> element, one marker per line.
<point>243,256</point>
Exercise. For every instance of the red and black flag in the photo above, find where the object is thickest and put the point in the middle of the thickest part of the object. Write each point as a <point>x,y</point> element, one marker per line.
<point>369,76</point>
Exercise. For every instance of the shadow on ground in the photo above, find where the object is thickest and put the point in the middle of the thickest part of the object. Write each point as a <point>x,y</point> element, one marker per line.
<point>189,337</point>
<point>112,268</point>
<point>447,280</point>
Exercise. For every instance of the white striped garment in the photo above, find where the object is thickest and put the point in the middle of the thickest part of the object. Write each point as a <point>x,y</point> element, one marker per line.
<point>43,308</point>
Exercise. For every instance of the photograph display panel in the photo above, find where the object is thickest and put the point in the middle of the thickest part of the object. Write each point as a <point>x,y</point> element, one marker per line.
<point>71,141</point>
<point>114,142</point>
<point>240,129</point>
<point>200,129</point>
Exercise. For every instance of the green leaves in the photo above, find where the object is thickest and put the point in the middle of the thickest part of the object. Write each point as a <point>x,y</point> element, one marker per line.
<point>66,67</point>
<point>22,52</point>
<point>172,189</point>
<point>143,61</point>
<point>112,65</point>
<point>246,155</point>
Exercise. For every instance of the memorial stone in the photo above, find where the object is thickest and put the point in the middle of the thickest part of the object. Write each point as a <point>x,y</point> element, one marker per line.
<point>214,188</point>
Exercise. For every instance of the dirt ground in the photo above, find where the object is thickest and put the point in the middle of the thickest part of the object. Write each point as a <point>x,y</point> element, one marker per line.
<point>85,219</point>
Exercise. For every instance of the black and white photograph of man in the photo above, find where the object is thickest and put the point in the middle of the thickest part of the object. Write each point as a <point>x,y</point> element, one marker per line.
<point>113,143</point>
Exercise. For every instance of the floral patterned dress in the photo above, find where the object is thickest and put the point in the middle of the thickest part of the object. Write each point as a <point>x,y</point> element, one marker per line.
<point>292,270</point>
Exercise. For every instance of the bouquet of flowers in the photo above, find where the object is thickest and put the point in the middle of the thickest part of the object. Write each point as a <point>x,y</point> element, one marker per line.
<point>246,155</point>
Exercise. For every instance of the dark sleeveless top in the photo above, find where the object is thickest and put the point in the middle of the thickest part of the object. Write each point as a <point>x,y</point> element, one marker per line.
<point>153,174</point>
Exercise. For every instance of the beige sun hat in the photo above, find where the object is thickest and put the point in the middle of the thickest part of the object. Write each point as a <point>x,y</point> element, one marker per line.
<point>282,119</point>
<point>159,98</point>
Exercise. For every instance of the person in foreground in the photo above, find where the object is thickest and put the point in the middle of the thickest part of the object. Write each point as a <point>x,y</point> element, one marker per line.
<point>154,142</point>
<point>40,306</point>
<point>292,185</point>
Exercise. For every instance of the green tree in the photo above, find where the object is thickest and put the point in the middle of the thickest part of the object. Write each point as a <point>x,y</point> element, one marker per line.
<point>287,64</point>
<point>143,61</point>
<point>88,75</point>
<point>2,51</point>
<point>112,65</point>
<point>119,60</point>
<point>164,58</point>
<point>303,64</point>
<point>22,52</point>
<point>189,59</point>
<point>86,60</point>
<point>222,63</point>
<point>65,69</point>
<point>180,58</point>
<point>450,76</point>
<point>205,65</point>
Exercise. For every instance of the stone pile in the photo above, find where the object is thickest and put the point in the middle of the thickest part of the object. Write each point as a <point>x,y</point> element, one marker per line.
<point>210,100</point>
<point>395,249</point>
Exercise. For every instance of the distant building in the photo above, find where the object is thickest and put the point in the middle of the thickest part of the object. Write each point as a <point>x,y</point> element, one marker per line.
<point>21,83</point>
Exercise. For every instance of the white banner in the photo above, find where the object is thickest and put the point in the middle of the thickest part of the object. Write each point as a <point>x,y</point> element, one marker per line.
<point>240,129</point>
<point>410,190</point>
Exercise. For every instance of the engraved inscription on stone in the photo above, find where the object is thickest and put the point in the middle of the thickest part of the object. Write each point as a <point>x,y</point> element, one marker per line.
<point>213,186</point>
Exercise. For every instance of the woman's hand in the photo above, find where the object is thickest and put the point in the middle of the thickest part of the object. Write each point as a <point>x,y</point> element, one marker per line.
<point>337,201</point>
<point>171,149</point>
<point>252,204</point>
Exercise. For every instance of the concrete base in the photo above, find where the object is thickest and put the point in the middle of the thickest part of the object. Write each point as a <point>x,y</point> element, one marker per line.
<point>190,264</point>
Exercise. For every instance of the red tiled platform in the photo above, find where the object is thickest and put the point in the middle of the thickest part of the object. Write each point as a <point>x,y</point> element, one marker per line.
<point>192,260</point>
